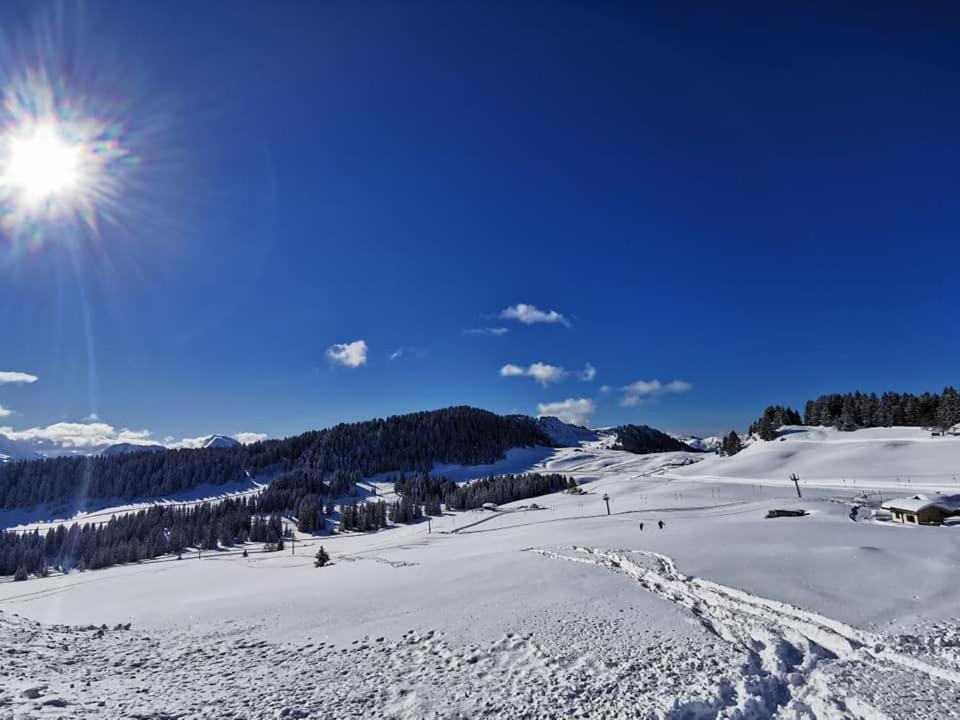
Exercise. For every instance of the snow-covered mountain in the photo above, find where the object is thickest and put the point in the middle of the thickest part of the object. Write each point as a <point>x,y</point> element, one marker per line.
<point>220,441</point>
<point>565,434</point>
<point>126,448</point>
<point>13,451</point>
<point>705,444</point>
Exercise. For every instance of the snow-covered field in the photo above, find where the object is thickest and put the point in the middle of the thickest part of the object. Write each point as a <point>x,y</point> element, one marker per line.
<point>559,612</point>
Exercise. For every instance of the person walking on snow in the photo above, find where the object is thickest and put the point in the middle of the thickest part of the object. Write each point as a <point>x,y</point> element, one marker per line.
<point>641,527</point>
<point>660,523</point>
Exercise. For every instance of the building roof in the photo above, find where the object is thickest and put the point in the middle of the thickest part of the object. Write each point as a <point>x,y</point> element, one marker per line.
<point>916,503</point>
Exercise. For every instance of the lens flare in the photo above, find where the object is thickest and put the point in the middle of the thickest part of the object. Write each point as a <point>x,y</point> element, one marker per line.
<point>59,162</point>
<point>42,166</point>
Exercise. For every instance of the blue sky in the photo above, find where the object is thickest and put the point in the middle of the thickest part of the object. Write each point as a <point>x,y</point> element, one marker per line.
<point>760,205</point>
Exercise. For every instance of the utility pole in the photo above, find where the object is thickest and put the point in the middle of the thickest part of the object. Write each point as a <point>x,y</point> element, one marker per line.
<point>606,499</point>
<point>293,544</point>
<point>429,528</point>
<point>796,481</point>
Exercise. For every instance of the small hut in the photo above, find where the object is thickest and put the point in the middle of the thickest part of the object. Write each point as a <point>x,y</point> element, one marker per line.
<point>923,509</point>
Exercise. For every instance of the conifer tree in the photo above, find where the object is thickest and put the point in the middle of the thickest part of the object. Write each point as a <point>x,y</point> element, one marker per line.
<point>731,444</point>
<point>321,558</point>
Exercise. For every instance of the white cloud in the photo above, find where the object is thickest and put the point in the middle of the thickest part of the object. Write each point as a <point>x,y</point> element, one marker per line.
<point>530,314</point>
<point>5,412</point>
<point>678,386</point>
<point>588,373</point>
<point>8,376</point>
<point>92,436</point>
<point>486,331</point>
<point>86,436</point>
<point>636,393</point>
<point>186,443</point>
<point>396,353</point>
<point>541,372</point>
<point>511,370</point>
<point>92,417</point>
<point>576,411</point>
<point>350,355</point>
<point>605,389</point>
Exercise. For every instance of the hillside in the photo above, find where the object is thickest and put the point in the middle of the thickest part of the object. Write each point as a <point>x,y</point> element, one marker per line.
<point>642,439</point>
<point>344,453</point>
<point>881,457</point>
<point>564,434</point>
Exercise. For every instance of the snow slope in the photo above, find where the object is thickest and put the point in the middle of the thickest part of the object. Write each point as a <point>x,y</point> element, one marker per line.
<point>896,459</point>
<point>565,434</point>
<point>553,612</point>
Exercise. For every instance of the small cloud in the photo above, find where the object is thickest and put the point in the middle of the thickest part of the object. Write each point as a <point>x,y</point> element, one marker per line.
<point>410,351</point>
<point>588,373</point>
<point>5,412</point>
<point>495,331</point>
<point>678,386</point>
<point>249,437</point>
<point>531,314</point>
<point>9,376</point>
<point>606,389</point>
<point>639,392</point>
<point>187,443</point>
<point>350,355</point>
<point>576,411</point>
<point>511,370</point>
<point>541,372</point>
<point>92,417</point>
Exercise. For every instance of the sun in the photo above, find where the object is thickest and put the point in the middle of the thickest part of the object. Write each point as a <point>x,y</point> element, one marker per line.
<point>63,161</point>
<point>42,165</point>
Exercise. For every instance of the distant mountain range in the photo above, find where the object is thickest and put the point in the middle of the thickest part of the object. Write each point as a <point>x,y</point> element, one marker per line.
<point>214,441</point>
<point>12,451</point>
<point>703,444</point>
<point>18,450</point>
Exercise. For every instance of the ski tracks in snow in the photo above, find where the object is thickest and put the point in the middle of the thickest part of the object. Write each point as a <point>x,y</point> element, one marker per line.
<point>798,664</point>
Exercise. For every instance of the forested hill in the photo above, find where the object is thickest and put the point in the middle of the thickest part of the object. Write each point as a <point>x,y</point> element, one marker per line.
<point>642,439</point>
<point>344,453</point>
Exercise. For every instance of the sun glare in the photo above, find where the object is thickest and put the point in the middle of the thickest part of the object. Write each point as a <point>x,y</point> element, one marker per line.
<point>42,165</point>
<point>62,160</point>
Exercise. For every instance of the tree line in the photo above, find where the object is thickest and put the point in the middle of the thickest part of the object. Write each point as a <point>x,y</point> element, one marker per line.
<point>642,439</point>
<point>773,418</point>
<point>342,454</point>
<point>422,489</point>
<point>861,410</point>
<point>851,411</point>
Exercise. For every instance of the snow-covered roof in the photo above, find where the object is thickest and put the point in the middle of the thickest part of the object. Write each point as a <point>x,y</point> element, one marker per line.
<point>916,503</point>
